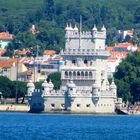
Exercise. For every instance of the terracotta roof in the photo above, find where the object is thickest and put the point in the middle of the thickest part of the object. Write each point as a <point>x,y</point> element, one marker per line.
<point>8,62</point>
<point>6,36</point>
<point>2,51</point>
<point>49,52</point>
<point>21,52</point>
<point>123,45</point>
<point>119,54</point>
<point>112,58</point>
<point>110,48</point>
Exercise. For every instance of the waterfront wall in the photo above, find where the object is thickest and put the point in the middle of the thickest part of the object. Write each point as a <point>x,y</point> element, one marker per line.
<point>12,107</point>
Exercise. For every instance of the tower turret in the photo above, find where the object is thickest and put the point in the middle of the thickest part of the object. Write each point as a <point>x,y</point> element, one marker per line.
<point>107,85</point>
<point>67,28</point>
<point>94,30</point>
<point>71,87</point>
<point>103,29</point>
<point>51,86</point>
<point>30,88</point>
<point>76,28</point>
<point>113,88</point>
<point>95,90</point>
<point>45,87</point>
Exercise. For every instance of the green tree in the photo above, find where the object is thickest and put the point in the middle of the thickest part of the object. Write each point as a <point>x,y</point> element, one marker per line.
<point>56,79</point>
<point>127,77</point>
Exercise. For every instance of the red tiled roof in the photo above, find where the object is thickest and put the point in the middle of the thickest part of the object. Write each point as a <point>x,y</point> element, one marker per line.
<point>6,36</point>
<point>2,51</point>
<point>110,48</point>
<point>112,58</point>
<point>8,62</point>
<point>49,52</point>
<point>119,54</point>
<point>123,45</point>
<point>22,52</point>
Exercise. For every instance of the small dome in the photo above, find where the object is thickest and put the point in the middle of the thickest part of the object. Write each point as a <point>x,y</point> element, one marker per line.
<point>95,85</point>
<point>67,27</point>
<point>75,28</point>
<point>94,28</point>
<point>71,84</point>
<point>70,27</point>
<point>30,84</point>
<point>103,28</point>
<point>51,84</point>
<point>113,86</point>
<point>45,84</point>
<point>107,83</point>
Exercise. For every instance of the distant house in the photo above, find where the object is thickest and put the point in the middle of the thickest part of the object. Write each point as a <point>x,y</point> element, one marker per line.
<point>23,52</point>
<point>2,51</point>
<point>118,52</point>
<point>5,39</point>
<point>11,68</point>
<point>125,33</point>
<point>49,52</point>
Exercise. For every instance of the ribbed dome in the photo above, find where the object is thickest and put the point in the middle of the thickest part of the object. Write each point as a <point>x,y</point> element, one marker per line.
<point>45,84</point>
<point>103,28</point>
<point>95,85</point>
<point>94,28</point>
<point>30,84</point>
<point>71,84</point>
<point>75,28</point>
<point>113,86</point>
<point>51,84</point>
<point>70,27</point>
<point>67,27</point>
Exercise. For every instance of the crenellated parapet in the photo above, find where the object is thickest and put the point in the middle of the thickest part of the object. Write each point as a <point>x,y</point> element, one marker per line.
<point>74,32</point>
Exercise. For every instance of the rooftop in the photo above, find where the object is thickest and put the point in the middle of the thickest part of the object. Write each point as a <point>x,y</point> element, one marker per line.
<point>6,36</point>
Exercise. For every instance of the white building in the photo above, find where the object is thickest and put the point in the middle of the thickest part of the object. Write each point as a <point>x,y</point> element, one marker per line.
<point>85,87</point>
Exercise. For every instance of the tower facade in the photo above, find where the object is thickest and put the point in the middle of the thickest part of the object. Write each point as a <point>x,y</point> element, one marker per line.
<point>85,87</point>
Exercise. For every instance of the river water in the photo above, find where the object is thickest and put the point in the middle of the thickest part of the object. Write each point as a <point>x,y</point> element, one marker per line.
<point>25,126</point>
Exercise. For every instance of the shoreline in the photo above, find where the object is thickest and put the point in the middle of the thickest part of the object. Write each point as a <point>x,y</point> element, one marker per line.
<point>14,108</point>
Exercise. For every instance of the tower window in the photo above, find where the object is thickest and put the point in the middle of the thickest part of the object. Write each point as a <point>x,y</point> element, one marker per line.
<point>62,105</point>
<point>88,105</point>
<point>73,61</point>
<point>78,105</point>
<point>85,61</point>
<point>52,105</point>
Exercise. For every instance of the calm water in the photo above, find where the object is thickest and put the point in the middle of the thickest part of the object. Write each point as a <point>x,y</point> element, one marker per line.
<point>23,126</point>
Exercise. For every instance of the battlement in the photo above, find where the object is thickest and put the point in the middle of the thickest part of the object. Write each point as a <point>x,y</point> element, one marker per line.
<point>85,51</point>
<point>74,32</point>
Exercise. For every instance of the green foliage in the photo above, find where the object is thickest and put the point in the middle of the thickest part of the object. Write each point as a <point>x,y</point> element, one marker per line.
<point>51,16</point>
<point>38,84</point>
<point>128,78</point>
<point>56,79</point>
<point>8,88</point>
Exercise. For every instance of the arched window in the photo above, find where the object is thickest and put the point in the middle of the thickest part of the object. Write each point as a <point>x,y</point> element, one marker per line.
<point>85,61</point>
<point>90,74</point>
<point>66,74</point>
<point>74,74</point>
<point>73,61</point>
<point>86,73</point>
<point>78,74</point>
<point>70,74</point>
<point>82,74</point>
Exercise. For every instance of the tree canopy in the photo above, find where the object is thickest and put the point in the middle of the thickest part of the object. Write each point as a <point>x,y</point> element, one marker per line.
<point>51,16</point>
<point>128,78</point>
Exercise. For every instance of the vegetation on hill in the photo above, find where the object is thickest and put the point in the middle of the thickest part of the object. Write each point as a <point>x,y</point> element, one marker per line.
<point>128,78</point>
<point>51,16</point>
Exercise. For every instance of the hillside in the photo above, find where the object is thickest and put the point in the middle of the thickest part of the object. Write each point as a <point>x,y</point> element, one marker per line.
<point>51,16</point>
